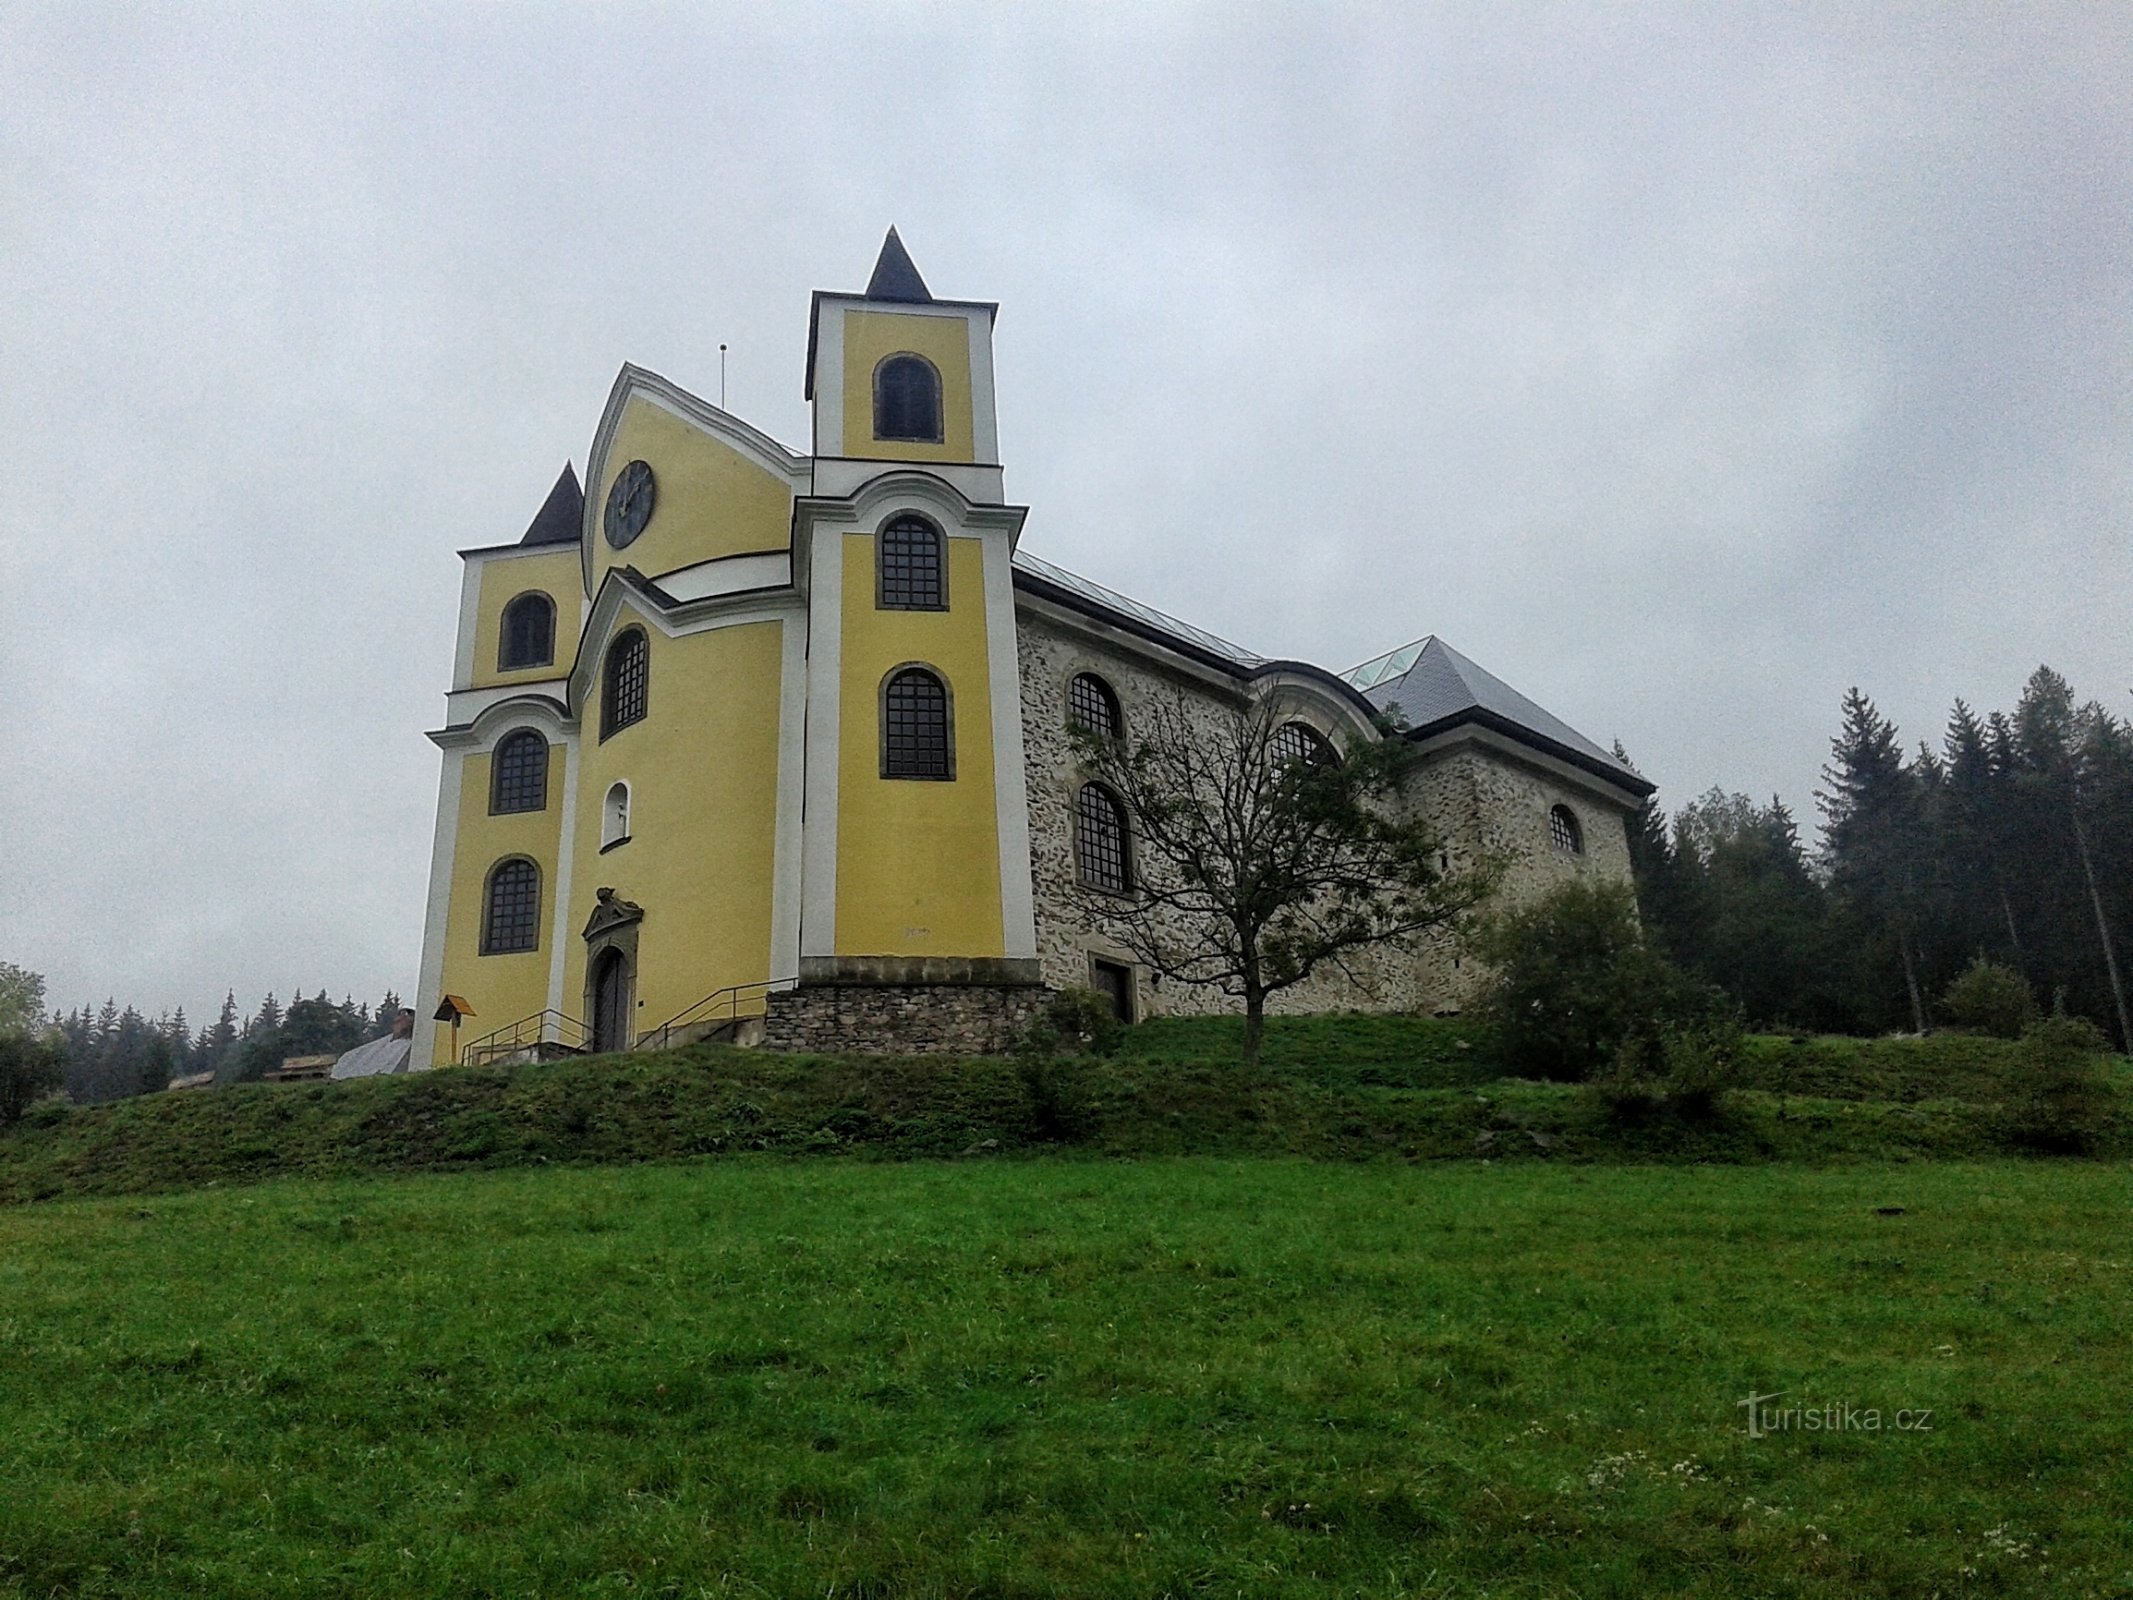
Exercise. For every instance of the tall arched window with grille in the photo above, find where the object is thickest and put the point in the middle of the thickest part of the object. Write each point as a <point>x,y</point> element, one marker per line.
<point>907,400</point>
<point>912,572</point>
<point>1100,858</point>
<point>528,635</point>
<point>511,909</point>
<point>1564,832</point>
<point>917,740</point>
<point>1092,707</point>
<point>625,683</point>
<point>1299,741</point>
<point>518,774</point>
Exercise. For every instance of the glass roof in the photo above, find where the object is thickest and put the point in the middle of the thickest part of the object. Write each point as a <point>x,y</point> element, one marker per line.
<point>1392,664</point>
<point>1111,600</point>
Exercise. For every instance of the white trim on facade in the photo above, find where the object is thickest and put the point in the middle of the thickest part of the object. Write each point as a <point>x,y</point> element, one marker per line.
<point>1018,904</point>
<point>469,621</point>
<point>463,706</point>
<point>787,868</point>
<point>984,423</point>
<point>429,982</point>
<point>565,854</point>
<point>825,664</point>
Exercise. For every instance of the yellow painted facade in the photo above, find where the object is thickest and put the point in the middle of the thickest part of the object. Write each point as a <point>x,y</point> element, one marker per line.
<point>870,337</point>
<point>750,851</point>
<point>918,863</point>
<point>702,771</point>
<point>506,987</point>
<point>713,500</point>
<point>554,573</point>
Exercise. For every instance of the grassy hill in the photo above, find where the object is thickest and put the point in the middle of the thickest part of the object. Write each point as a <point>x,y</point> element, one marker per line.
<point>1331,1087</point>
<point>1198,1376</point>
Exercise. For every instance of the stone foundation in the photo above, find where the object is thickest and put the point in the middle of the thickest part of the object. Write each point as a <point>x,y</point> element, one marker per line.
<point>902,1018</point>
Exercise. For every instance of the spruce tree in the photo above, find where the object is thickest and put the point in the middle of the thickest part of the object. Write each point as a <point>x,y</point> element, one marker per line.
<point>1872,837</point>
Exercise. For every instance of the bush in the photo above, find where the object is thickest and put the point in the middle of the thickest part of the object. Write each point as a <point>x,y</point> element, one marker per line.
<point>1990,999</point>
<point>1683,1069</point>
<point>1574,985</point>
<point>30,1069</point>
<point>2059,1101</point>
<point>1074,1019</point>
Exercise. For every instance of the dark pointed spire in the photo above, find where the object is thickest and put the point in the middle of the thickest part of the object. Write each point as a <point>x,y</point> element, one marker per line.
<point>562,515</point>
<point>895,278</point>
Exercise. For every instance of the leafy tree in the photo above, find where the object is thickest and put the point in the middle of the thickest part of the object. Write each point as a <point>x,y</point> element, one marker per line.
<point>21,998</point>
<point>1990,999</point>
<point>31,1067</point>
<point>1257,868</point>
<point>2060,1101</point>
<point>1573,984</point>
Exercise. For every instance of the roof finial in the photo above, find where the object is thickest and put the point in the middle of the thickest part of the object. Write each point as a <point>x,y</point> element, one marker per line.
<point>895,278</point>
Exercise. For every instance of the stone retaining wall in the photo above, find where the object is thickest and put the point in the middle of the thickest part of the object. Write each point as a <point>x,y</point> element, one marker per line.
<point>903,1018</point>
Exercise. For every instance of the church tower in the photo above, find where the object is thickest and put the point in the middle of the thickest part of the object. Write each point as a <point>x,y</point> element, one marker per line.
<point>916,833</point>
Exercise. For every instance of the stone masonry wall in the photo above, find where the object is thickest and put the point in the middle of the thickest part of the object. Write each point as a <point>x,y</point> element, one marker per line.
<point>908,1018</point>
<point>1480,801</point>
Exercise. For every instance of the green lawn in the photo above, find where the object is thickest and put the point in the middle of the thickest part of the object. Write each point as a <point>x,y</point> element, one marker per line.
<point>758,1376</point>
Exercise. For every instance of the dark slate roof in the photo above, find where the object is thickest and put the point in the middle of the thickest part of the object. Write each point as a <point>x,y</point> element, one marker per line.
<point>1435,687</point>
<point>561,518</point>
<point>895,278</point>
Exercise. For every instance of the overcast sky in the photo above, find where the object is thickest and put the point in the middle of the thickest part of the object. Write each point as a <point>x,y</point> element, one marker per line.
<point>1683,366</point>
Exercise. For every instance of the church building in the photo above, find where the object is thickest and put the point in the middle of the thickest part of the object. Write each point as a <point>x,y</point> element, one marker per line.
<point>748,739</point>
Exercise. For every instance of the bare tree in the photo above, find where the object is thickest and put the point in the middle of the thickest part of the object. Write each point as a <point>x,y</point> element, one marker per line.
<point>1261,854</point>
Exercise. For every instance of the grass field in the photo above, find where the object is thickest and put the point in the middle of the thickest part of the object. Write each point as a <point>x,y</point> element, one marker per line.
<point>761,1376</point>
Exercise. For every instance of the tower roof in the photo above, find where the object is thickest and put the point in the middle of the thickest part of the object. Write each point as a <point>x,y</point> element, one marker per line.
<point>562,515</point>
<point>895,278</point>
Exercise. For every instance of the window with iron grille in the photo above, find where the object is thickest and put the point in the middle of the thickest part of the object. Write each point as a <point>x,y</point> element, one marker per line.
<point>528,634</point>
<point>629,665</point>
<point>1100,839</point>
<point>910,564</point>
<point>512,919</point>
<point>518,778</point>
<point>1092,706</point>
<point>1564,831</point>
<point>915,740</point>
<point>1298,741</point>
<point>907,400</point>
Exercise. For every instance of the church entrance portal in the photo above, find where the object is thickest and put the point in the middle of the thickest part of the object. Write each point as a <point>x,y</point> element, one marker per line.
<point>611,1002</point>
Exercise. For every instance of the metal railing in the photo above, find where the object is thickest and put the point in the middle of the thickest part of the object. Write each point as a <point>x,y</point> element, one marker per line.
<point>720,1008</point>
<point>536,1038</point>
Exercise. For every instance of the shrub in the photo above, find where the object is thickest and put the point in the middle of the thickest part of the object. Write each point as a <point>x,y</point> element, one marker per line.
<point>30,1069</point>
<point>1991,999</point>
<point>1685,1069</point>
<point>1074,1019</point>
<point>1574,983</point>
<point>2060,1100</point>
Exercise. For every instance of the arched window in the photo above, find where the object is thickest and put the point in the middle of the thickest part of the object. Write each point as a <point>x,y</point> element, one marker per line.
<point>511,913</point>
<point>518,776</point>
<point>528,633</point>
<point>911,575</point>
<point>1564,831</point>
<point>907,400</point>
<point>1299,741</point>
<point>1092,707</point>
<point>615,816</point>
<point>629,665</point>
<point>915,736</point>
<point>1100,839</point>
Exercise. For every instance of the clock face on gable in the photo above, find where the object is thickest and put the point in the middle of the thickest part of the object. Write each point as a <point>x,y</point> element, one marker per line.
<point>629,503</point>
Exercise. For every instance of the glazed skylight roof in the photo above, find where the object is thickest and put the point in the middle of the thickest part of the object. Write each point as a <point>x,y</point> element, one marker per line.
<point>1112,600</point>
